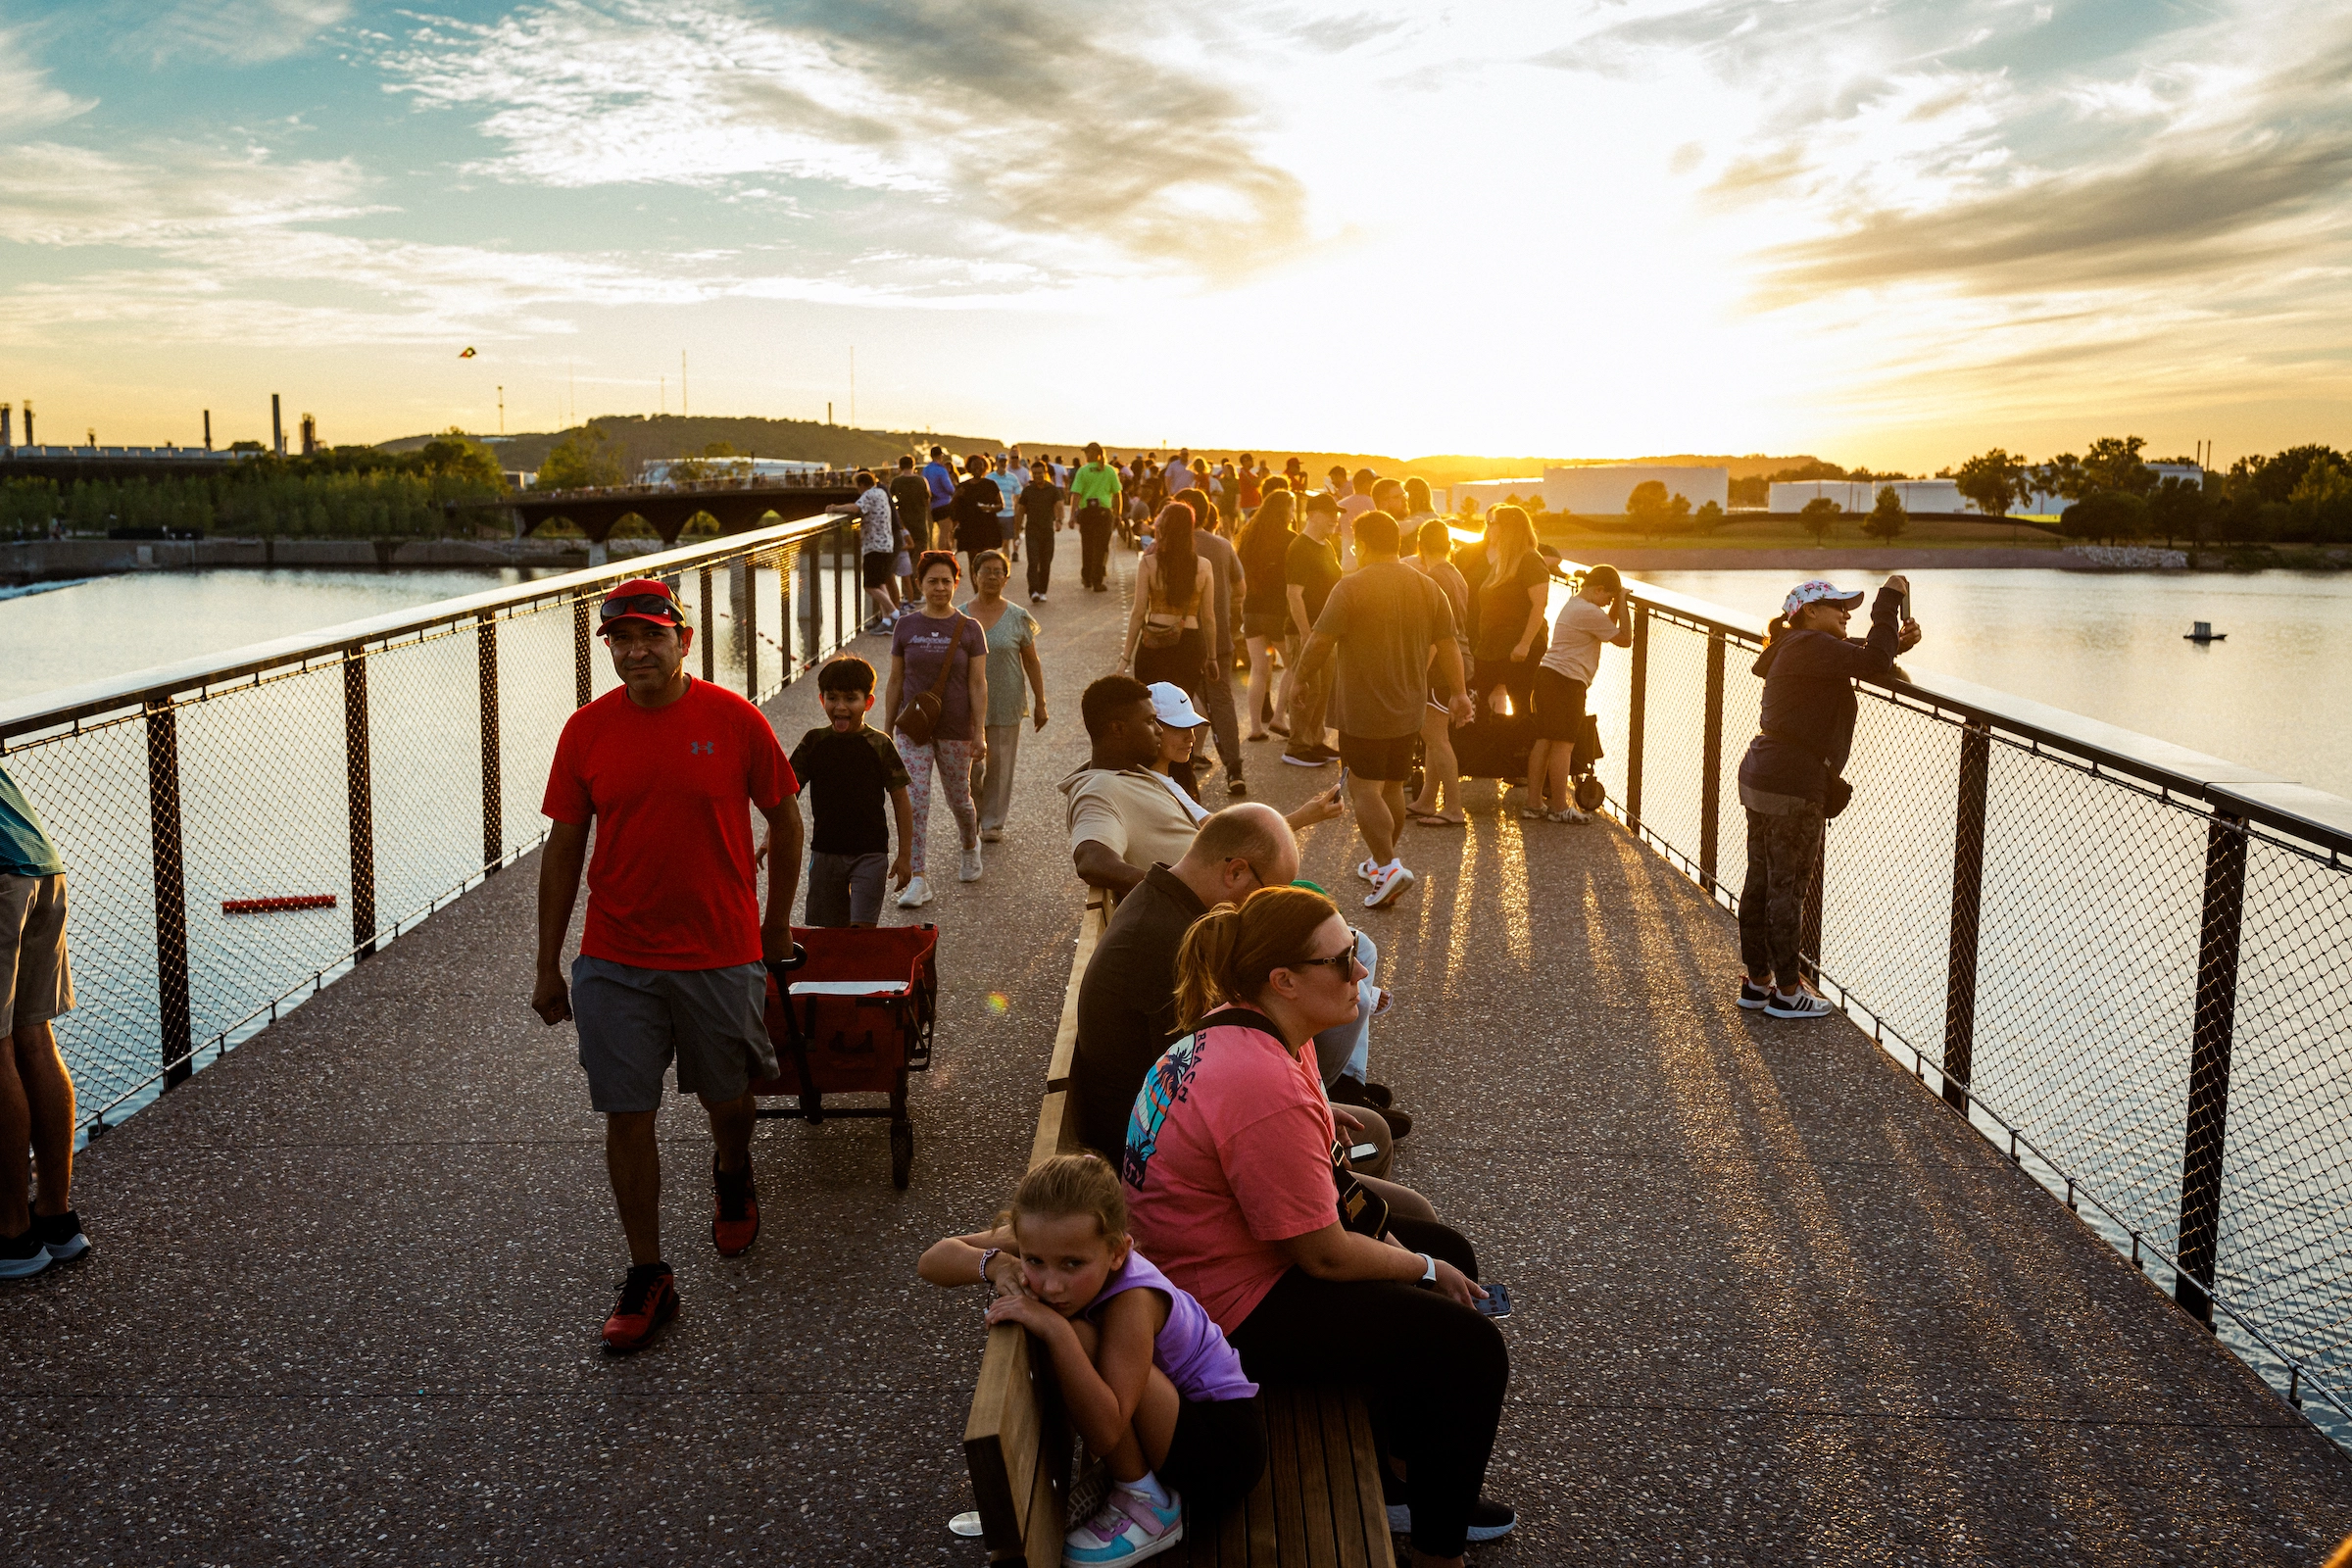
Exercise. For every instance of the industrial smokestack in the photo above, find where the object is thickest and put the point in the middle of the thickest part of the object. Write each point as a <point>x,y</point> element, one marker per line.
<point>310,434</point>
<point>208,429</point>
<point>28,421</point>
<point>277,428</point>
<point>8,414</point>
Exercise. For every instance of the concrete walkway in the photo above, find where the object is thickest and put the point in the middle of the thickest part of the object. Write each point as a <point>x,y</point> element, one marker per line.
<point>1775,1305</point>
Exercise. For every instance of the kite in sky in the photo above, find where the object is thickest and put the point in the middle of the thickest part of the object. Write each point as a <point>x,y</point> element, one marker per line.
<point>466,354</point>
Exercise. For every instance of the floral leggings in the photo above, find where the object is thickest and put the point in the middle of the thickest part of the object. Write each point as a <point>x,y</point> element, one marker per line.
<point>953,761</point>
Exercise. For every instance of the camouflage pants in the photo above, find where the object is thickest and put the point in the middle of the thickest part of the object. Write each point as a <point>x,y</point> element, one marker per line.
<point>1781,856</point>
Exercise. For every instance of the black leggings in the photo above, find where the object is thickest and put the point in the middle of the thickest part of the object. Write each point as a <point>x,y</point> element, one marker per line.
<point>1433,1370</point>
<point>1217,1454</point>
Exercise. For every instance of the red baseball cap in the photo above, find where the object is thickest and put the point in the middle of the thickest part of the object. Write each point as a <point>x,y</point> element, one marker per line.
<point>641,599</point>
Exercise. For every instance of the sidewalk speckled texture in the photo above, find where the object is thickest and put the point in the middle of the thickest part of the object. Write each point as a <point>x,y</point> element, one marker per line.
<point>1775,1305</point>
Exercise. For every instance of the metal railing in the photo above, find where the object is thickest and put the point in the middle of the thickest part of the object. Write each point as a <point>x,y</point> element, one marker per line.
<point>2128,964</point>
<point>336,780</point>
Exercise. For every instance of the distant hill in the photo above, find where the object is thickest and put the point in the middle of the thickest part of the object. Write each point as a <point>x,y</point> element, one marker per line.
<point>642,437</point>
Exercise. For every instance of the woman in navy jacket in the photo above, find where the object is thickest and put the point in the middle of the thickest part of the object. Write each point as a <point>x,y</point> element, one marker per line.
<point>1791,775</point>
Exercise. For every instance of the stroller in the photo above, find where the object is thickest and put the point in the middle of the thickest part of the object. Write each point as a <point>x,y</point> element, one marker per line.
<point>851,1012</point>
<point>1496,745</point>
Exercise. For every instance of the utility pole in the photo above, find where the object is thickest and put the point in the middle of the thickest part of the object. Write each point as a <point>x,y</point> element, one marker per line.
<point>828,410</point>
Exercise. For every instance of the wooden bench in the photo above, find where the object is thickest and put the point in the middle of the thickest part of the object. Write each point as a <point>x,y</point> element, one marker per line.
<point>1318,1504</point>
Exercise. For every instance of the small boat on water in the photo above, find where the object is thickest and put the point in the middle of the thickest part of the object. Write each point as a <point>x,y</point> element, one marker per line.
<point>2202,632</point>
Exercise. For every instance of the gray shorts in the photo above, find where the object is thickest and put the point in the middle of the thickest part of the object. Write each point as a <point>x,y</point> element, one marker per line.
<point>36,983</point>
<point>633,1022</point>
<point>845,889</point>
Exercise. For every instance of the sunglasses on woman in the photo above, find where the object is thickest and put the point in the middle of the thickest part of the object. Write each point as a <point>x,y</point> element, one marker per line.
<point>1343,961</point>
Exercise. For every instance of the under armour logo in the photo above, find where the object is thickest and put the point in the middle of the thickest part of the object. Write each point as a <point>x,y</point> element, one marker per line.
<point>706,748</point>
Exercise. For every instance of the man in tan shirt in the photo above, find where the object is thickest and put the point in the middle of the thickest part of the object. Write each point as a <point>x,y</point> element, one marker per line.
<point>1124,818</point>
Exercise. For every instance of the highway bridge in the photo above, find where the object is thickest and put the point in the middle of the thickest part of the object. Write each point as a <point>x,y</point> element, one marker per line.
<point>736,504</point>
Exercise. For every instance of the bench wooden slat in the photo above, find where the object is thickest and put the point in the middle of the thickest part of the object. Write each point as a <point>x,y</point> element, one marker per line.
<point>1372,1505</point>
<point>1001,1438</point>
<point>1343,1476</point>
<point>1090,925</point>
<point>1048,1526</point>
<point>1282,1477</point>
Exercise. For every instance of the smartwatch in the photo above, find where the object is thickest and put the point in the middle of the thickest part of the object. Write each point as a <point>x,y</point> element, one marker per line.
<point>1429,1271</point>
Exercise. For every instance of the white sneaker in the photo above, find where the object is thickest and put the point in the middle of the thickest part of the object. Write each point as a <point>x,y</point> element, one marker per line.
<point>970,869</point>
<point>1805,1005</point>
<point>917,893</point>
<point>1365,869</point>
<point>1126,1528</point>
<point>1567,814</point>
<point>1387,883</point>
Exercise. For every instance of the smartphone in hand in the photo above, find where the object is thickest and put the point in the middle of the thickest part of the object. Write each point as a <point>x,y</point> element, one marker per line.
<point>1498,1302</point>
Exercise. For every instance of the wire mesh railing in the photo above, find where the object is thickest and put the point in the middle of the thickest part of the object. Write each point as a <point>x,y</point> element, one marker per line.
<point>2128,965</point>
<point>240,831</point>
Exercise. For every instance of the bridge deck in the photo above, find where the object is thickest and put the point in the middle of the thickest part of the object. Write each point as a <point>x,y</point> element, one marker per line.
<point>1773,1305</point>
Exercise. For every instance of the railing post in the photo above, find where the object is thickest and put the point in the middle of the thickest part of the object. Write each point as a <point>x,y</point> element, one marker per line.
<point>359,787</point>
<point>1710,782</point>
<point>1968,896</point>
<point>170,889</point>
<point>840,616</point>
<point>2209,1065</point>
<point>1636,705</point>
<point>493,825</point>
<point>784,654</point>
<point>583,690</point>
<point>709,628</point>
<point>751,627</point>
<point>813,601</point>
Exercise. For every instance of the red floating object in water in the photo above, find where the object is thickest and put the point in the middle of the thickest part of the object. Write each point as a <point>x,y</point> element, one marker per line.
<point>295,901</point>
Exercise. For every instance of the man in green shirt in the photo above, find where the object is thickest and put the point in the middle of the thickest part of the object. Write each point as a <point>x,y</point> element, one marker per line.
<point>1095,496</point>
<point>36,1092</point>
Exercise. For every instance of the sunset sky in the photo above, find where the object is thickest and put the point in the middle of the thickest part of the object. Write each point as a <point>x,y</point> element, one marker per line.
<point>1890,233</point>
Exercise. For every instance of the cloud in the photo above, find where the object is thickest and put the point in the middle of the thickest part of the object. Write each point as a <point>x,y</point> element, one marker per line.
<point>1079,122</point>
<point>238,31</point>
<point>27,100</point>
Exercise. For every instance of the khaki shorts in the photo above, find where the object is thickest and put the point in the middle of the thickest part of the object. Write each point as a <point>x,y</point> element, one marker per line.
<point>36,984</point>
<point>635,1022</point>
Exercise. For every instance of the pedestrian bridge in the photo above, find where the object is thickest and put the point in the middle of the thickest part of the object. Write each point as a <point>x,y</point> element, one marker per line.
<point>1775,1302</point>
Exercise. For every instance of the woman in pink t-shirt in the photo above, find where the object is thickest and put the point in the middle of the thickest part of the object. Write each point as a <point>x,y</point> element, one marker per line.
<point>1228,1166</point>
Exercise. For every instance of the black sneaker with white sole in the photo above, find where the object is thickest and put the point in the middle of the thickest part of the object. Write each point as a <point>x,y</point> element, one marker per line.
<point>1752,996</point>
<point>1805,1005</point>
<point>1488,1521</point>
<point>23,1257</point>
<point>62,1235</point>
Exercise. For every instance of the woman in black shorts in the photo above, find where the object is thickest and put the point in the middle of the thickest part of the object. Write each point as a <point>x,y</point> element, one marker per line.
<point>1264,547</point>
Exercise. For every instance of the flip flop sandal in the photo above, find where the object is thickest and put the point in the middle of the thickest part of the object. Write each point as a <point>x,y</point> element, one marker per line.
<point>1432,819</point>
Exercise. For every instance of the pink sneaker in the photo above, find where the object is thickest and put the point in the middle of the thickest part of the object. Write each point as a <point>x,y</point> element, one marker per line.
<point>1127,1528</point>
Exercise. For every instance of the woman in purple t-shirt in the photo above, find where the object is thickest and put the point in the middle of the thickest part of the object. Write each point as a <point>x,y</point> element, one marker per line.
<point>1148,1379</point>
<point>937,632</point>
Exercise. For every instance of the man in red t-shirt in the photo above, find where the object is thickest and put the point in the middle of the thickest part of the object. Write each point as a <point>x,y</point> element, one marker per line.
<point>670,769</point>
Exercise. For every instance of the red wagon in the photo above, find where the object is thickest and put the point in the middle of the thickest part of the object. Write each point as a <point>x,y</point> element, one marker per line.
<point>852,1013</point>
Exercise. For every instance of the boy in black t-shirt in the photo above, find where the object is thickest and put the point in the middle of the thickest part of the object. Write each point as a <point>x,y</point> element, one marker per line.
<point>848,771</point>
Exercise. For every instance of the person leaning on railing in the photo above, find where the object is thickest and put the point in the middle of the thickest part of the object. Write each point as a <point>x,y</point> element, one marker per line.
<point>36,1092</point>
<point>1791,779</point>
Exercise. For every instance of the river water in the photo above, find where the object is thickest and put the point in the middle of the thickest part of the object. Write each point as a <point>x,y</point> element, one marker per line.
<point>2108,646</point>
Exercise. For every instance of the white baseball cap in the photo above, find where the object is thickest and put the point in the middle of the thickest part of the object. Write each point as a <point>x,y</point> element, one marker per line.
<point>1172,707</point>
<point>1818,592</point>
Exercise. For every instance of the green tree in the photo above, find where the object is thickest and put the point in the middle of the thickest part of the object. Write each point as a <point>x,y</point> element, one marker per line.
<point>1819,518</point>
<point>1888,519</point>
<point>2113,462</point>
<point>1707,518</point>
<point>2063,475</point>
<point>2179,508</point>
<point>456,455</point>
<point>2320,507</point>
<point>1994,480</point>
<point>2276,478</point>
<point>2110,515</point>
<point>585,458</point>
<point>1654,512</point>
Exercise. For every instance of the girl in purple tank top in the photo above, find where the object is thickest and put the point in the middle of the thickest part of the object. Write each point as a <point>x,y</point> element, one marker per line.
<point>1148,1378</point>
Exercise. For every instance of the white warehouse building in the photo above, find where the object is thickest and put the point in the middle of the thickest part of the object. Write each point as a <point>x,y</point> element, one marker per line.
<point>1860,495</point>
<point>1603,489</point>
<point>1484,493</point>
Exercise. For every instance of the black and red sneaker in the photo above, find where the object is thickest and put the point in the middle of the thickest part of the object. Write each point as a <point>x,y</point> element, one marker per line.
<point>735,1224</point>
<point>648,1298</point>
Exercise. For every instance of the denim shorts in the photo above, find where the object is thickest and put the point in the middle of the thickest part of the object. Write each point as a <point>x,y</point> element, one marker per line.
<point>635,1022</point>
